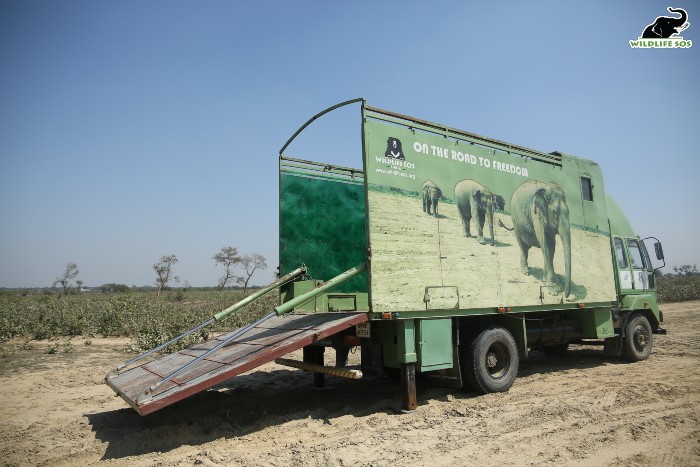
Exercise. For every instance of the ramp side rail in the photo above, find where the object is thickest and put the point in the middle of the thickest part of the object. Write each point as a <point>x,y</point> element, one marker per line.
<point>220,315</point>
<point>278,311</point>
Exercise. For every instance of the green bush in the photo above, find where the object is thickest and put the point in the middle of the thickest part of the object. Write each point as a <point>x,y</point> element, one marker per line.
<point>143,316</point>
<point>678,288</point>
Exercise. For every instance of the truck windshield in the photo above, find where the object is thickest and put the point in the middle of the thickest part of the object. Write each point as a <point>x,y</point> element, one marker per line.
<point>645,256</point>
<point>635,254</point>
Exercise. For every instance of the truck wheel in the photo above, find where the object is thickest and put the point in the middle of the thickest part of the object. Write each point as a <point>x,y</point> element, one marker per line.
<point>490,360</point>
<point>636,345</point>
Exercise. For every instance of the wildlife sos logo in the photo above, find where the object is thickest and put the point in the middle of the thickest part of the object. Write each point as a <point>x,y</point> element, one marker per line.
<point>394,149</point>
<point>394,160</point>
<point>663,32</point>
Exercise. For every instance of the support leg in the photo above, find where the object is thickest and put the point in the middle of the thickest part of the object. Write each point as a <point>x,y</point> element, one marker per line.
<point>313,354</point>
<point>408,385</point>
<point>341,356</point>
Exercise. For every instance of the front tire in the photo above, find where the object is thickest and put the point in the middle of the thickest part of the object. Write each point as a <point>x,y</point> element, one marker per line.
<point>636,345</point>
<point>490,360</point>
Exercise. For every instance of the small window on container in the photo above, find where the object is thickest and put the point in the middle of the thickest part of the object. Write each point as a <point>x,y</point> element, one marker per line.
<point>587,189</point>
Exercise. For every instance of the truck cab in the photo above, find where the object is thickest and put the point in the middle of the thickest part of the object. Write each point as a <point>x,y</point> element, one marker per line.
<point>635,283</point>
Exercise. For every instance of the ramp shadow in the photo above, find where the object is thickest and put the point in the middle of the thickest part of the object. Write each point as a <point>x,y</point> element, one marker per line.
<point>243,405</point>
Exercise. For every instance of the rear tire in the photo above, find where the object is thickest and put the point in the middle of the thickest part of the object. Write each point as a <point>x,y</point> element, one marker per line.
<point>490,360</point>
<point>636,345</point>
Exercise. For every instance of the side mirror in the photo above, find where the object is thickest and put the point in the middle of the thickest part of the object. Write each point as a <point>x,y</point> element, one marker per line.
<point>659,251</point>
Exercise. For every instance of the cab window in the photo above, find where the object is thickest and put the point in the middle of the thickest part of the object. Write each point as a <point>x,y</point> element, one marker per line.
<point>635,254</point>
<point>620,253</point>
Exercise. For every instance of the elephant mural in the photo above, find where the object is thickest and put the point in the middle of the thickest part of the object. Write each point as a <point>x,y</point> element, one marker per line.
<point>474,200</point>
<point>540,212</point>
<point>664,27</point>
<point>431,195</point>
<point>499,203</point>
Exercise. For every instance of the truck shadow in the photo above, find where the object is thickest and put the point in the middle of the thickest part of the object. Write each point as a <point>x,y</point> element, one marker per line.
<point>253,402</point>
<point>245,404</point>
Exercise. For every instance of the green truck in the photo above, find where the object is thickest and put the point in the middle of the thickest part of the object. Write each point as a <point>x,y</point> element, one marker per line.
<point>448,256</point>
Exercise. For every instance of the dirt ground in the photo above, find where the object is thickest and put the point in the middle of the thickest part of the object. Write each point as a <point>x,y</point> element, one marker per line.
<point>578,409</point>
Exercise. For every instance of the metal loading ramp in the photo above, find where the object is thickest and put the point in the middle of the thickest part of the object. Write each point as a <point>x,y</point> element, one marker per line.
<point>263,343</point>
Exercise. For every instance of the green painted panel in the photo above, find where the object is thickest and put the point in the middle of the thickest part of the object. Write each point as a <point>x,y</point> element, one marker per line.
<point>435,344</point>
<point>596,323</point>
<point>398,342</point>
<point>413,249</point>
<point>322,224</point>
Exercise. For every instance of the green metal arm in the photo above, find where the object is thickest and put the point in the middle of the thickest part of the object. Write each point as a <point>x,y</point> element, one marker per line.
<point>220,315</point>
<point>251,298</point>
<point>308,296</point>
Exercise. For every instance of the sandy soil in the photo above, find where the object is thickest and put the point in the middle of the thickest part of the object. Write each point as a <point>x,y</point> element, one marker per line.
<point>577,409</point>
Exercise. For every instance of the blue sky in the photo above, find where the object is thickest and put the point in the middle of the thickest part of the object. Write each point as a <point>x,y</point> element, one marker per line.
<point>131,130</point>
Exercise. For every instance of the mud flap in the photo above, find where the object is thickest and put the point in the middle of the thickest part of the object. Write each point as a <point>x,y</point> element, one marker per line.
<point>448,377</point>
<point>613,346</point>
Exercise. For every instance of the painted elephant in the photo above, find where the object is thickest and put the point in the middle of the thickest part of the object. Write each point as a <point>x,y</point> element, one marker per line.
<point>474,200</point>
<point>665,26</point>
<point>540,212</point>
<point>431,195</point>
<point>499,203</point>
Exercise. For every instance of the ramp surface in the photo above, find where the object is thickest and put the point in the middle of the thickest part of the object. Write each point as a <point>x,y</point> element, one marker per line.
<point>271,339</point>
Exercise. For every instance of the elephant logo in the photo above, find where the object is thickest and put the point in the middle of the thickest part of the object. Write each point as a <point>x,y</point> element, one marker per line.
<point>664,27</point>
<point>540,213</point>
<point>475,201</point>
<point>393,149</point>
<point>431,194</point>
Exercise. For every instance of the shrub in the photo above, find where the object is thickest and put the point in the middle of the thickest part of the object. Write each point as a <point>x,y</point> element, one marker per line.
<point>148,319</point>
<point>678,288</point>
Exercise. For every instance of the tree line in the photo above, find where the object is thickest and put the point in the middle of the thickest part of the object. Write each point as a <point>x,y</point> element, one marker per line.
<point>237,269</point>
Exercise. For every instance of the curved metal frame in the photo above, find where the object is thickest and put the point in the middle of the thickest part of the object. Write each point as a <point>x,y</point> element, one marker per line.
<point>311,120</point>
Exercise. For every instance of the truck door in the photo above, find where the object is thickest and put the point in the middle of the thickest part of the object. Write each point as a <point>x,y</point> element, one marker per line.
<point>632,264</point>
<point>639,263</point>
<point>623,268</point>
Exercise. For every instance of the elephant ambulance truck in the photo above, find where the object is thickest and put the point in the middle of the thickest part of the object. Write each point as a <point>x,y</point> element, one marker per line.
<point>448,255</point>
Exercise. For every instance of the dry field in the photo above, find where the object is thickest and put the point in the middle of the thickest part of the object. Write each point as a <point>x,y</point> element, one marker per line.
<point>578,409</point>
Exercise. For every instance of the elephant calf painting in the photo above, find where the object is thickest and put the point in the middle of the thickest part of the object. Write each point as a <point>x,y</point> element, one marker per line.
<point>539,213</point>
<point>431,195</point>
<point>474,200</point>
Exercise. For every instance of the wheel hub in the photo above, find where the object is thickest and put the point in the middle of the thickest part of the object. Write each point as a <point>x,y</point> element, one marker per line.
<point>491,360</point>
<point>497,360</point>
<point>641,338</point>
